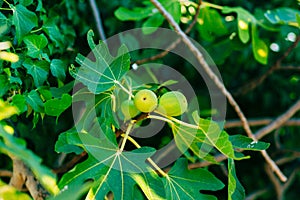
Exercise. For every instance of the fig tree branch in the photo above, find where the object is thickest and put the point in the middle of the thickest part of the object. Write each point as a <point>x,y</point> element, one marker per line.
<point>218,83</point>
<point>175,43</point>
<point>277,66</point>
<point>260,122</point>
<point>98,20</point>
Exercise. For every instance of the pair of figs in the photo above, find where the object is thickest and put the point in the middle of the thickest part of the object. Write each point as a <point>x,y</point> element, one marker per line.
<point>171,103</point>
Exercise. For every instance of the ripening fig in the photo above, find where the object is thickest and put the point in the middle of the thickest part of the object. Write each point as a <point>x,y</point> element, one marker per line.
<point>172,103</point>
<point>145,100</point>
<point>128,109</point>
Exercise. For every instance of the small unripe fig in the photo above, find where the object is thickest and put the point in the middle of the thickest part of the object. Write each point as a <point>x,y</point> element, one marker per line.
<point>145,100</point>
<point>128,109</point>
<point>172,103</point>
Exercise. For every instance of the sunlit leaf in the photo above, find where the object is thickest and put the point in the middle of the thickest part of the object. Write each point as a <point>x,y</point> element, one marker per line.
<point>11,193</point>
<point>283,16</point>
<point>259,47</point>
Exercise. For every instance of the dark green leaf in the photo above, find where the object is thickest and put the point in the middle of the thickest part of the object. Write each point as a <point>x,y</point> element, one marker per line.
<point>64,143</point>
<point>181,183</point>
<point>57,68</point>
<point>34,100</point>
<point>106,71</point>
<point>4,85</point>
<point>35,44</point>
<point>24,20</point>
<point>39,70</point>
<point>52,30</point>
<point>235,189</point>
<point>246,143</point>
<point>55,107</point>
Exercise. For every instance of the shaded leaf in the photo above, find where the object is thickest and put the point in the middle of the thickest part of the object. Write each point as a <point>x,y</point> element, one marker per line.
<point>134,14</point>
<point>235,189</point>
<point>246,143</point>
<point>181,183</point>
<point>57,68</point>
<point>34,100</point>
<point>55,107</point>
<point>38,69</point>
<point>24,20</point>
<point>35,44</point>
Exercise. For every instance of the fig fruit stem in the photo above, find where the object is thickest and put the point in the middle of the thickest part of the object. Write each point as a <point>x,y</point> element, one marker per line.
<point>171,120</point>
<point>157,168</point>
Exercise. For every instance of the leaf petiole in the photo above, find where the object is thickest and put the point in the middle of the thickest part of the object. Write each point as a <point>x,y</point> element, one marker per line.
<point>149,159</point>
<point>129,128</point>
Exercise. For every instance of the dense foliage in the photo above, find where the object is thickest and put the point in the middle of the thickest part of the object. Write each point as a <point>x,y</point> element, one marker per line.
<point>66,133</point>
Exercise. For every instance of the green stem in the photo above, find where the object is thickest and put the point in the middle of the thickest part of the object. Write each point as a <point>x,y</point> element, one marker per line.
<point>157,168</point>
<point>124,89</point>
<point>212,5</point>
<point>130,126</point>
<point>171,120</point>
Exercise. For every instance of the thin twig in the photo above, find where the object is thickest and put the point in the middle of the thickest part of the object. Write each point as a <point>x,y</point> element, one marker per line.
<point>98,20</point>
<point>217,81</point>
<point>279,121</point>
<point>175,43</point>
<point>5,173</point>
<point>259,134</point>
<point>277,66</point>
<point>260,122</point>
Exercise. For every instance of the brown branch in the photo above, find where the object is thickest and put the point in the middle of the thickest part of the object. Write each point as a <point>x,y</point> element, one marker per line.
<point>256,82</point>
<point>22,175</point>
<point>260,122</point>
<point>256,194</point>
<point>199,56</point>
<point>281,188</point>
<point>97,17</point>
<point>175,43</point>
<point>279,121</point>
<point>290,67</point>
<point>69,165</point>
<point>5,173</point>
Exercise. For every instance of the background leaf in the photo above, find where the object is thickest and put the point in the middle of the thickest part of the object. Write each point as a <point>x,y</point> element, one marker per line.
<point>24,20</point>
